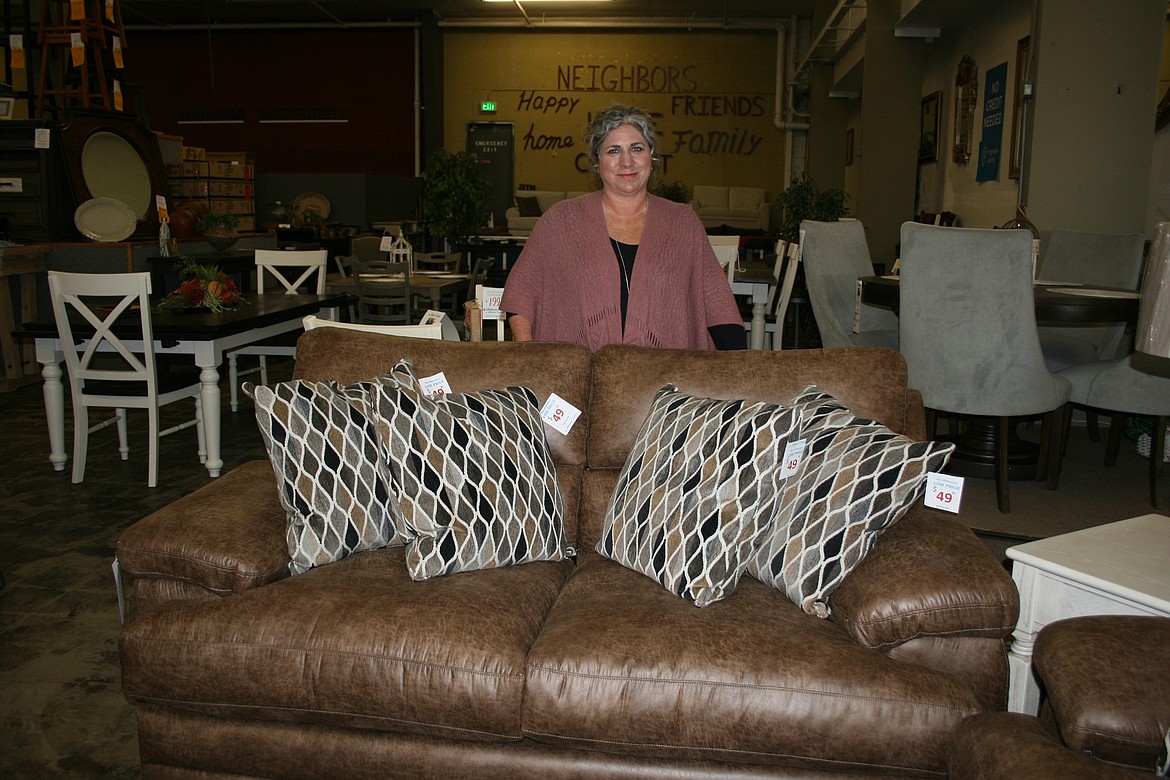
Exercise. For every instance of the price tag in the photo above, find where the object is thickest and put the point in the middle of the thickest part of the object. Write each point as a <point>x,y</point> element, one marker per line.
<point>160,204</point>
<point>490,303</point>
<point>435,385</point>
<point>41,138</point>
<point>793,455</point>
<point>76,50</point>
<point>16,50</point>
<point>944,492</point>
<point>559,413</point>
<point>386,244</point>
<point>117,95</point>
<point>110,11</point>
<point>119,63</point>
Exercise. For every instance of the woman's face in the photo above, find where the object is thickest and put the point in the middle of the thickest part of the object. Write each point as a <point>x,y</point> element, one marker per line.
<point>624,165</point>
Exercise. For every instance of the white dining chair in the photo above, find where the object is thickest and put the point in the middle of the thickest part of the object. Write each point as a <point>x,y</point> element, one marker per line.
<point>726,249</point>
<point>384,293</point>
<point>116,370</point>
<point>293,271</point>
<point>429,330</point>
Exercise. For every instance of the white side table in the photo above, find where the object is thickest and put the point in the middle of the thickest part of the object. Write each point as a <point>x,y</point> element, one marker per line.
<point>1122,568</point>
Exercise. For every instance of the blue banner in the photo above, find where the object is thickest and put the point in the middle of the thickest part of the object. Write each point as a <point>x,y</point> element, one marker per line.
<point>991,143</point>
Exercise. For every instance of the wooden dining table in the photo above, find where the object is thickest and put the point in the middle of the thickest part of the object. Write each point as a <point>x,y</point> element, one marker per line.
<point>754,279</point>
<point>1065,303</point>
<point>203,334</point>
<point>433,283</point>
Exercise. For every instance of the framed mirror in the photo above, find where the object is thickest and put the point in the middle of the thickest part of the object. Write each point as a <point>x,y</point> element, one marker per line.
<point>113,155</point>
<point>966,95</point>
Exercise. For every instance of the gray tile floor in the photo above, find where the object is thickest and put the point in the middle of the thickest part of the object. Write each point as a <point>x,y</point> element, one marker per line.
<point>62,713</point>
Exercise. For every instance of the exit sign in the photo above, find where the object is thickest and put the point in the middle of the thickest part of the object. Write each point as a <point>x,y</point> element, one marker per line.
<point>487,106</point>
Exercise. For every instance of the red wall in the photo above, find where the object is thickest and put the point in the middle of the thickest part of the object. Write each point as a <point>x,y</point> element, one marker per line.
<point>367,74</point>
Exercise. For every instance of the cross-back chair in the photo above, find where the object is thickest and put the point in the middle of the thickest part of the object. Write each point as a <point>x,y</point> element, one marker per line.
<point>104,324</point>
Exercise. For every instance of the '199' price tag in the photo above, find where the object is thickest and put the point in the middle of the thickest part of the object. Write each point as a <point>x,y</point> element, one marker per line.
<point>559,413</point>
<point>943,491</point>
<point>435,385</point>
<point>793,455</point>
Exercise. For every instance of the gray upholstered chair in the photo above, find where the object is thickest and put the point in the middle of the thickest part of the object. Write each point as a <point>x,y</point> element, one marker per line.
<point>1136,385</point>
<point>835,255</point>
<point>968,333</point>
<point>1091,259</point>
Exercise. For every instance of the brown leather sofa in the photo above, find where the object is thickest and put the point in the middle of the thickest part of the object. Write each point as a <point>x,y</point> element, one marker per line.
<point>555,669</point>
<point>1106,707</point>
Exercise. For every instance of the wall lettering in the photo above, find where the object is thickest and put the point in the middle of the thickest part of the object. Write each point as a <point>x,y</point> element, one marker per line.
<point>626,78</point>
<point>738,141</point>
<point>530,101</point>
<point>717,105</point>
<point>533,141</point>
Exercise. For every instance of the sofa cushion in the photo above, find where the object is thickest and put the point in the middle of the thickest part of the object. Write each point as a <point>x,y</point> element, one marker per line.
<point>528,205</point>
<point>744,201</point>
<point>700,484</point>
<point>546,200</point>
<point>355,644</point>
<point>323,447</point>
<point>622,666</point>
<point>473,475</point>
<point>857,478</point>
<point>710,197</point>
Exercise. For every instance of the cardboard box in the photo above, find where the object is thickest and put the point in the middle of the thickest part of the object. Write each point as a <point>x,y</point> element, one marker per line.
<point>233,206</point>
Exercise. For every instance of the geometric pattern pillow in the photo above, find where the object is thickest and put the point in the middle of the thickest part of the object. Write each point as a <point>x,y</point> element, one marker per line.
<point>473,476</point>
<point>1162,767</point>
<point>700,483</point>
<point>856,480</point>
<point>323,447</point>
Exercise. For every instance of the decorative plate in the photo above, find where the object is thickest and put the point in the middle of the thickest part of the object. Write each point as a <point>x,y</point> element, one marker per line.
<point>313,201</point>
<point>105,219</point>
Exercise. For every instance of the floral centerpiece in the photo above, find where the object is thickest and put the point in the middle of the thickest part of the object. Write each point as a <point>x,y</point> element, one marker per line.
<point>207,288</point>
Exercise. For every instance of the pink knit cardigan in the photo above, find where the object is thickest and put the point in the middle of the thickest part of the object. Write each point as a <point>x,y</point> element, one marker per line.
<point>567,281</point>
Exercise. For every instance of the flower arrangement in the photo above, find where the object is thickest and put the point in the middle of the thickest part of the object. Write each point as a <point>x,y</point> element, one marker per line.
<point>208,288</point>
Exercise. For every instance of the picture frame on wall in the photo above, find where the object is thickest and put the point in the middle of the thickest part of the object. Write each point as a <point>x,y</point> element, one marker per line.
<point>929,128</point>
<point>1023,63</point>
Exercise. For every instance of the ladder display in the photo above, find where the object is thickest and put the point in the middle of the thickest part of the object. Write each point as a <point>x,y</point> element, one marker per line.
<point>80,40</point>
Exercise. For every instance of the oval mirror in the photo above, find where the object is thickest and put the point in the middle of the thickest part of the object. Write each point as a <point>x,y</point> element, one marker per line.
<point>112,168</point>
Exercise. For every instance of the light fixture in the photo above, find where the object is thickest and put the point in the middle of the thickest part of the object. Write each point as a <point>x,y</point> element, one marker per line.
<point>1153,328</point>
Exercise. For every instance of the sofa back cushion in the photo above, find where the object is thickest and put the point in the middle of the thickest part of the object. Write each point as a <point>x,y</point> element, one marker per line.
<point>348,356</point>
<point>745,198</point>
<point>870,381</point>
<point>709,197</point>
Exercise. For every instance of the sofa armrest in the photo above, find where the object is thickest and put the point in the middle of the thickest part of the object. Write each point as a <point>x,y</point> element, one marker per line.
<point>928,575</point>
<point>226,537</point>
<point>512,212</point>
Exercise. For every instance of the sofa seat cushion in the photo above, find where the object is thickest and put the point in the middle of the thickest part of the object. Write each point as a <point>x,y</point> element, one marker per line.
<point>742,213</point>
<point>355,643</point>
<point>623,666</point>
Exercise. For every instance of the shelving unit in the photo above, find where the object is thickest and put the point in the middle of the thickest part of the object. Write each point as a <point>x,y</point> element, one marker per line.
<point>76,51</point>
<point>226,181</point>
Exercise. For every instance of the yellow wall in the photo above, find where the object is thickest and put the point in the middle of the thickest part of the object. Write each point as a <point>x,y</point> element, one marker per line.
<point>713,94</point>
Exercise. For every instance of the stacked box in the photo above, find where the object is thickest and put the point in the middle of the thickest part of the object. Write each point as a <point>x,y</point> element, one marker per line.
<point>224,180</point>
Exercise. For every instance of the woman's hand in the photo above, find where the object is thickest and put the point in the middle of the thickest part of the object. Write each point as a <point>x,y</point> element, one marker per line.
<point>521,328</point>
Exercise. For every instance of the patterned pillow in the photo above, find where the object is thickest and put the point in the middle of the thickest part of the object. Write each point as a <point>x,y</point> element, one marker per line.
<point>857,479</point>
<point>699,485</point>
<point>473,475</point>
<point>1162,767</point>
<point>323,447</point>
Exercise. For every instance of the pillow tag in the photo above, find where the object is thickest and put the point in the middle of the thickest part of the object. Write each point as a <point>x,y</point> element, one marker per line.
<point>944,491</point>
<point>793,455</point>
<point>559,413</point>
<point>386,244</point>
<point>435,385</point>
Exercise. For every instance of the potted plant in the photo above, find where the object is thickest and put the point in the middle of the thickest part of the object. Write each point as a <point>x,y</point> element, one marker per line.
<point>675,191</point>
<point>454,197</point>
<point>802,200</point>
<point>219,229</point>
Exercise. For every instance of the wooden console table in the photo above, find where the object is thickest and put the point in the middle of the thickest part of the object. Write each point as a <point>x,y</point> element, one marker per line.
<point>24,262</point>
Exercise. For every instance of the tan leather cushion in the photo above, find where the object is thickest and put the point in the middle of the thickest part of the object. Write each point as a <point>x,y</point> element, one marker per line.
<point>624,666</point>
<point>1108,682</point>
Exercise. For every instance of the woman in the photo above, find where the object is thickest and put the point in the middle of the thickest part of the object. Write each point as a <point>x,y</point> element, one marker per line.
<point>577,279</point>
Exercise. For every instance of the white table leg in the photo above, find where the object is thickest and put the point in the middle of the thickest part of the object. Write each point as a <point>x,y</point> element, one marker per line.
<point>210,397</point>
<point>55,413</point>
<point>1023,690</point>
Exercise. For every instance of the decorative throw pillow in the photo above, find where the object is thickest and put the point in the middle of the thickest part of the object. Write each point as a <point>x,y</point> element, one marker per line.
<point>323,447</point>
<point>700,483</point>
<point>529,206</point>
<point>1162,767</point>
<point>857,479</point>
<point>473,475</point>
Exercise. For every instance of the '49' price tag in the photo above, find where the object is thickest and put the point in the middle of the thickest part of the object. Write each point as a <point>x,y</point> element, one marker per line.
<point>435,385</point>
<point>793,455</point>
<point>943,491</point>
<point>559,413</point>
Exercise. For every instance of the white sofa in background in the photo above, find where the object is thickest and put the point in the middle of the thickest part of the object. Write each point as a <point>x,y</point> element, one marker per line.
<point>744,208</point>
<point>529,205</point>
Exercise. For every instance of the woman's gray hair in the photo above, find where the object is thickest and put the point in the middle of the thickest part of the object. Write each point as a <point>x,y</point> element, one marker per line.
<point>610,119</point>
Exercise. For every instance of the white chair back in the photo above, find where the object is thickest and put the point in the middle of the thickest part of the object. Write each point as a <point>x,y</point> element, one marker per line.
<point>433,330</point>
<point>279,264</point>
